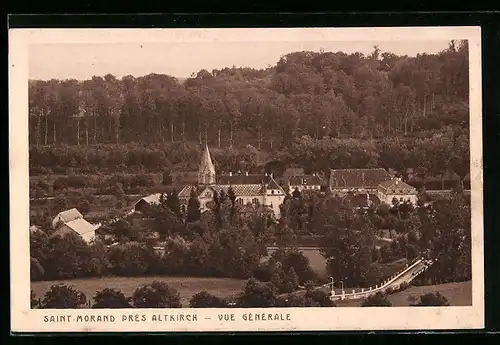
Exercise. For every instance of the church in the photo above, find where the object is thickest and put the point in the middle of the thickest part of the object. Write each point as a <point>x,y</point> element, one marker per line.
<point>250,189</point>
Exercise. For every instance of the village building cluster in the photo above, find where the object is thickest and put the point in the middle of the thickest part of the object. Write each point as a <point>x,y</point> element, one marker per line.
<point>261,193</point>
<point>362,187</point>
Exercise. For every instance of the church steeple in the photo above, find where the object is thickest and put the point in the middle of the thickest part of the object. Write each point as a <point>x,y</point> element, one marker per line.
<point>206,174</point>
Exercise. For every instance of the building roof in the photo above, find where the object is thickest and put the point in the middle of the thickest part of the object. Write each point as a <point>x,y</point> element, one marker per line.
<point>66,216</point>
<point>206,165</point>
<point>81,226</point>
<point>358,178</point>
<point>307,180</point>
<point>396,186</point>
<point>239,189</point>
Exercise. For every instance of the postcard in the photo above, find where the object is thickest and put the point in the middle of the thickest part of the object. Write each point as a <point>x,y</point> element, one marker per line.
<point>225,180</point>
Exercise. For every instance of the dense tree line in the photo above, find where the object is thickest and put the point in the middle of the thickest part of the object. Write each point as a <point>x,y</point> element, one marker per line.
<point>305,93</point>
<point>301,111</point>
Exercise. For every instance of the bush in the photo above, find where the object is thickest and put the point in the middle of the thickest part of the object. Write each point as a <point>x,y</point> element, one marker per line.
<point>62,296</point>
<point>204,299</point>
<point>432,300</point>
<point>377,300</point>
<point>110,298</point>
<point>257,295</point>
<point>156,295</point>
<point>403,286</point>
<point>36,270</point>
<point>320,297</point>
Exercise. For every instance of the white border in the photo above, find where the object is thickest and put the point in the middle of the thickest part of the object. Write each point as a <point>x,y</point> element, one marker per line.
<point>23,319</point>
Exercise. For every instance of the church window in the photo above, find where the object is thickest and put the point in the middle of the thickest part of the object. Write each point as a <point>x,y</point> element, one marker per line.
<point>272,192</point>
<point>255,201</point>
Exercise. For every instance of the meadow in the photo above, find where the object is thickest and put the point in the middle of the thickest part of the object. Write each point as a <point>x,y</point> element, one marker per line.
<point>186,286</point>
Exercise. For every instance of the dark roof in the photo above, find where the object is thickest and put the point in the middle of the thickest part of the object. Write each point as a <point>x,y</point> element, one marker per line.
<point>308,180</point>
<point>397,187</point>
<point>358,178</point>
<point>361,200</point>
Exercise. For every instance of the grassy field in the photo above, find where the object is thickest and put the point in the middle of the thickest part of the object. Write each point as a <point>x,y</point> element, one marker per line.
<point>457,294</point>
<point>187,286</point>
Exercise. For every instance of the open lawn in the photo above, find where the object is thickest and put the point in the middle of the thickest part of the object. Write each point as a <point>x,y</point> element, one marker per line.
<point>457,294</point>
<point>187,286</point>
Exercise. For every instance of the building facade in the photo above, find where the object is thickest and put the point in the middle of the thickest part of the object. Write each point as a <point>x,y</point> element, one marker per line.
<point>304,182</point>
<point>72,221</point>
<point>395,190</point>
<point>249,189</point>
<point>378,184</point>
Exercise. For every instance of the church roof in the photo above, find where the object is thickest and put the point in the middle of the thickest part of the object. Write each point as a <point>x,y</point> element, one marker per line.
<point>206,165</point>
<point>358,178</point>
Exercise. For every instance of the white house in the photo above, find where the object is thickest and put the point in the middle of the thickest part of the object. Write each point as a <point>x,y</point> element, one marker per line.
<point>395,189</point>
<point>72,221</point>
<point>304,182</point>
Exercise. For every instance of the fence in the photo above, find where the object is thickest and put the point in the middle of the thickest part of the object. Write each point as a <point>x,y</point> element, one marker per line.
<point>386,284</point>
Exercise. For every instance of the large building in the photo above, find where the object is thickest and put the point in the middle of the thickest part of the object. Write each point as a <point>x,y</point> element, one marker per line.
<point>304,182</point>
<point>378,184</point>
<point>249,189</point>
<point>72,221</point>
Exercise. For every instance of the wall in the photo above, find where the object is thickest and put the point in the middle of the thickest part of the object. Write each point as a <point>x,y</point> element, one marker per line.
<point>301,187</point>
<point>387,198</point>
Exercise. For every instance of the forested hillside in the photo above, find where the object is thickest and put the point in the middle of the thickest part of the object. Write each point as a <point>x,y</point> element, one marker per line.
<point>322,110</point>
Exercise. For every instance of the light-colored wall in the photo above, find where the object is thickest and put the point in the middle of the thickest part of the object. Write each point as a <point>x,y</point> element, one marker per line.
<point>87,237</point>
<point>269,199</point>
<point>302,187</point>
<point>387,198</point>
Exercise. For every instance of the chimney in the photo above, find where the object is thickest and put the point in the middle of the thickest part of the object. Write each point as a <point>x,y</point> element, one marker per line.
<point>230,173</point>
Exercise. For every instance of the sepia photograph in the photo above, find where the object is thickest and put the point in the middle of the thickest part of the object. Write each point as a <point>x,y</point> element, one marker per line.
<point>177,171</point>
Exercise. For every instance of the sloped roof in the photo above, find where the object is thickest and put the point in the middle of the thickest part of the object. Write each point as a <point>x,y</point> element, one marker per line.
<point>66,216</point>
<point>358,178</point>
<point>397,186</point>
<point>81,226</point>
<point>186,190</point>
<point>307,180</point>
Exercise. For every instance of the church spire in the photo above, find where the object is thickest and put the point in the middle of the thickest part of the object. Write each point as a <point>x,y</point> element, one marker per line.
<point>206,174</point>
